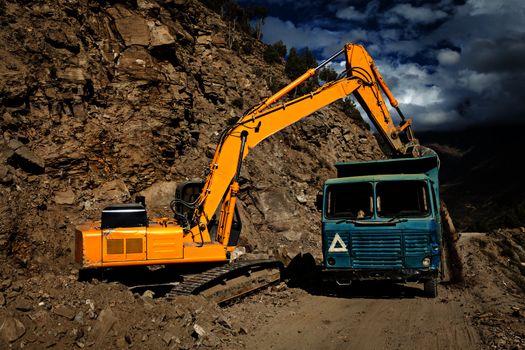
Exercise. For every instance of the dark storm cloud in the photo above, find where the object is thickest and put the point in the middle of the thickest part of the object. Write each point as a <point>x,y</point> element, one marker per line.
<point>504,54</point>
<point>450,63</point>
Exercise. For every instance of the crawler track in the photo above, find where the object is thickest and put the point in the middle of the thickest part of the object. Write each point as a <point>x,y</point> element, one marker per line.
<point>230,281</point>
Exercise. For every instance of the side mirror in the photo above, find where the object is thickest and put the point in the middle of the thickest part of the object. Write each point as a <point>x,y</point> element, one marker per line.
<point>319,201</point>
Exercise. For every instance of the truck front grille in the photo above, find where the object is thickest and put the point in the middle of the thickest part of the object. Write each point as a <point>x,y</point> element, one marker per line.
<point>416,243</point>
<point>372,250</point>
<point>382,250</point>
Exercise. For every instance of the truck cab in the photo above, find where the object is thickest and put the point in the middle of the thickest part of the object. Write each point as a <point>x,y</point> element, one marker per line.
<point>381,221</point>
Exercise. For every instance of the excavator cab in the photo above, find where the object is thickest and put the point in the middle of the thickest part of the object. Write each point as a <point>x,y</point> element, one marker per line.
<point>186,194</point>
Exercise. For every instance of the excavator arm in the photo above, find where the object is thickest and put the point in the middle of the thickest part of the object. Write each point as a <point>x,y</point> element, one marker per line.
<point>400,138</point>
<point>362,80</point>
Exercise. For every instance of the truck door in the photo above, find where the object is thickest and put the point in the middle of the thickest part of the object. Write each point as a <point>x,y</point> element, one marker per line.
<point>346,204</point>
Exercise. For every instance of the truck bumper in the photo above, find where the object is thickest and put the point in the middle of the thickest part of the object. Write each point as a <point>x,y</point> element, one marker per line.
<point>397,275</point>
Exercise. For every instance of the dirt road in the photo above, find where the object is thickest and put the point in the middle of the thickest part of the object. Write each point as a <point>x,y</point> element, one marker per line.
<point>370,315</point>
<point>486,312</point>
<point>399,318</point>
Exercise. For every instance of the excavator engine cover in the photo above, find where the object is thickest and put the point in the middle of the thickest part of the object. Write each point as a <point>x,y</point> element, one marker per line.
<point>124,215</point>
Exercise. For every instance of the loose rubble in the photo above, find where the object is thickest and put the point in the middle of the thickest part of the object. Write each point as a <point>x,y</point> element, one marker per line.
<point>495,278</point>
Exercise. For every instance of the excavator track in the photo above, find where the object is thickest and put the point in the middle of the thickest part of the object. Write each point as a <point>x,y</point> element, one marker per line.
<point>231,281</point>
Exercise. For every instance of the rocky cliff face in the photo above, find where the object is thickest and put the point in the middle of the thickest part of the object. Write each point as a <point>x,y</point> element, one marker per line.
<point>100,101</point>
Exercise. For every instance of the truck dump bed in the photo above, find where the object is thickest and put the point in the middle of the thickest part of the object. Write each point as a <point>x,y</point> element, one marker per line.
<point>428,165</point>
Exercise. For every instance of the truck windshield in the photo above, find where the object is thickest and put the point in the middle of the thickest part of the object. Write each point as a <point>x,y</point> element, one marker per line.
<point>354,200</point>
<point>402,198</point>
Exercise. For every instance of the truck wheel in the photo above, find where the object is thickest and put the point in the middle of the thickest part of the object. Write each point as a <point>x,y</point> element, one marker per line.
<point>431,288</point>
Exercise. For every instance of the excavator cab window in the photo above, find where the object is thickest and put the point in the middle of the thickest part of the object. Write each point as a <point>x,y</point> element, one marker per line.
<point>185,195</point>
<point>350,200</point>
<point>187,192</point>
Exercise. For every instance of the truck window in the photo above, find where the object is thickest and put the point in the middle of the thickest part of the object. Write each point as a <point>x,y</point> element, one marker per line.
<point>353,201</point>
<point>402,198</point>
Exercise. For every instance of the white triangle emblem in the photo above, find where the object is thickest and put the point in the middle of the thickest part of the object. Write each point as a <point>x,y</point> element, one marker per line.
<point>337,245</point>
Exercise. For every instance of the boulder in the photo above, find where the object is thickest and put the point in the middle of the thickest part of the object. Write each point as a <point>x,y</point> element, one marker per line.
<point>293,235</point>
<point>72,74</point>
<point>106,321</point>
<point>63,37</point>
<point>160,193</point>
<point>23,304</point>
<point>218,40</point>
<point>160,35</point>
<point>114,191</point>
<point>65,197</point>
<point>199,332</point>
<point>278,207</point>
<point>204,40</point>
<point>147,5</point>
<point>11,329</point>
<point>5,176</point>
<point>14,144</point>
<point>65,312</point>
<point>133,29</point>
<point>14,76</point>
<point>137,63</point>
<point>27,160</point>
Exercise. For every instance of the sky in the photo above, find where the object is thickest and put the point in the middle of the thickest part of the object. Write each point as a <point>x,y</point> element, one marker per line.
<point>450,63</point>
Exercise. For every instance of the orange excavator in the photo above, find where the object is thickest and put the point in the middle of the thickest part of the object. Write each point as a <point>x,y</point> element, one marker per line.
<point>205,227</point>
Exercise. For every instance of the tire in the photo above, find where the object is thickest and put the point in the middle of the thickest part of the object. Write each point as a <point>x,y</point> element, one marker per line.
<point>431,288</point>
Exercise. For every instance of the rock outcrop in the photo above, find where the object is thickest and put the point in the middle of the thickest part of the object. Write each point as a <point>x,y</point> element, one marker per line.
<point>101,101</point>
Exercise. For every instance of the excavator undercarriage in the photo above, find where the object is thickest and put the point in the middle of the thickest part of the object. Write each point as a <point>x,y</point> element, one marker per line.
<point>221,283</point>
<point>228,282</point>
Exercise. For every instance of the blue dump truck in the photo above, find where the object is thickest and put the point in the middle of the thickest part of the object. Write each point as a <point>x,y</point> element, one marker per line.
<point>381,221</point>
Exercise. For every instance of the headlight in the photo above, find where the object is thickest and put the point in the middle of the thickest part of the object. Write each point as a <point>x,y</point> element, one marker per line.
<point>331,261</point>
<point>426,262</point>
